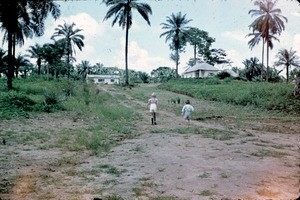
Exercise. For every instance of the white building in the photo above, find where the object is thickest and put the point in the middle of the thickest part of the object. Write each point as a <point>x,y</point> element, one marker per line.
<point>200,70</point>
<point>104,79</point>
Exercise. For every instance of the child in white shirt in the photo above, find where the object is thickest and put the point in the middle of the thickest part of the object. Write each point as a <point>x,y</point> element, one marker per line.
<point>152,102</point>
<point>187,111</point>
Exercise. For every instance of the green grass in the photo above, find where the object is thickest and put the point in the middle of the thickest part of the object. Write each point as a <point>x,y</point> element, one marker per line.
<point>109,119</point>
<point>268,96</point>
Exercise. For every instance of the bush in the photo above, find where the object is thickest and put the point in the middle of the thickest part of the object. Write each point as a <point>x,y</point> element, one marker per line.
<point>17,100</point>
<point>14,104</point>
<point>52,101</point>
<point>223,74</point>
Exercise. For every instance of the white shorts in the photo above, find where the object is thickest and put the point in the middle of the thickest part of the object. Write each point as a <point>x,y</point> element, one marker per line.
<point>153,107</point>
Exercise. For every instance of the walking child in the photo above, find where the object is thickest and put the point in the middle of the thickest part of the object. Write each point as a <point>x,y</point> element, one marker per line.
<point>187,111</point>
<point>152,104</point>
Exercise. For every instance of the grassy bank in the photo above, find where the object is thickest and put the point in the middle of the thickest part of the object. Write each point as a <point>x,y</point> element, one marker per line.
<point>108,120</point>
<point>269,96</point>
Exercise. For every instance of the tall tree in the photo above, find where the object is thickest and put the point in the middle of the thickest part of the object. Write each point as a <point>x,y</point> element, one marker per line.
<point>288,58</point>
<point>122,12</point>
<point>71,38</point>
<point>20,18</point>
<point>36,52</point>
<point>200,41</point>
<point>268,23</point>
<point>176,27</point>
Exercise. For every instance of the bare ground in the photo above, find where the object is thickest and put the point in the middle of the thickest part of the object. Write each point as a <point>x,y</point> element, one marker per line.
<point>171,160</point>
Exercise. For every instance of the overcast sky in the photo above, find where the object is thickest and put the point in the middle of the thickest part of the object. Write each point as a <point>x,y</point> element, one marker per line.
<point>225,20</point>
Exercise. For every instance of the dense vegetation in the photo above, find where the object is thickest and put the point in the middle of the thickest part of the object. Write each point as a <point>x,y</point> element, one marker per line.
<point>270,96</point>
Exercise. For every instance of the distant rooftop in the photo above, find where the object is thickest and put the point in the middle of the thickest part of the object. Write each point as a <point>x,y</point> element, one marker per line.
<point>201,66</point>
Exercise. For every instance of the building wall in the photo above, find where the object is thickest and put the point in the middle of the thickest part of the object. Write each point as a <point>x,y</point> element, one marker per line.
<point>200,74</point>
<point>208,73</point>
<point>104,79</point>
<point>190,75</point>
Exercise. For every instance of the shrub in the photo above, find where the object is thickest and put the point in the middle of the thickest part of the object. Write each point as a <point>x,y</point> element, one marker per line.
<point>223,75</point>
<point>17,100</point>
<point>14,104</point>
<point>52,101</point>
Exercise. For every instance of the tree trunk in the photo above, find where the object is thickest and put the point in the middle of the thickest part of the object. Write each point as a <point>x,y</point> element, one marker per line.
<point>267,77</point>
<point>68,63</point>
<point>126,52</point>
<point>262,58</point>
<point>14,56</point>
<point>287,73</point>
<point>11,64</point>
<point>39,66</point>
<point>195,54</point>
<point>177,61</point>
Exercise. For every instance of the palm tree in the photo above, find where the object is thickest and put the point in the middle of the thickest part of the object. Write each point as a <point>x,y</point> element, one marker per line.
<point>256,37</point>
<point>84,68</point>
<point>21,61</point>
<point>52,54</point>
<point>19,18</point>
<point>288,58</point>
<point>36,52</point>
<point>252,68</point>
<point>176,32</point>
<point>71,38</point>
<point>268,23</point>
<point>122,12</point>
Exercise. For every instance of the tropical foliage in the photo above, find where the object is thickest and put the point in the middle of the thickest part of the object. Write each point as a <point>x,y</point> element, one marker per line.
<point>268,23</point>
<point>122,12</point>
<point>23,18</point>
<point>201,42</point>
<point>162,74</point>
<point>70,37</point>
<point>289,59</point>
<point>253,69</point>
<point>176,26</point>
<point>36,52</point>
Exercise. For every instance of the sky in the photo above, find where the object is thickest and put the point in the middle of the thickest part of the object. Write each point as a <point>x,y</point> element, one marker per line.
<point>225,20</point>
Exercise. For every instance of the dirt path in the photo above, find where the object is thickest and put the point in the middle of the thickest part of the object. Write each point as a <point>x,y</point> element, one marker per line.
<point>170,160</point>
<point>205,160</point>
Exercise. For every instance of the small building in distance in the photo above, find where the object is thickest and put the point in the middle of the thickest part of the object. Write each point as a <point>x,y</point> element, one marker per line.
<point>200,70</point>
<point>103,79</point>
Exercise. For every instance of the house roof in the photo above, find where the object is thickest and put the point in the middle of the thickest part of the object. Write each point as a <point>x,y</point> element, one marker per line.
<point>201,66</point>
